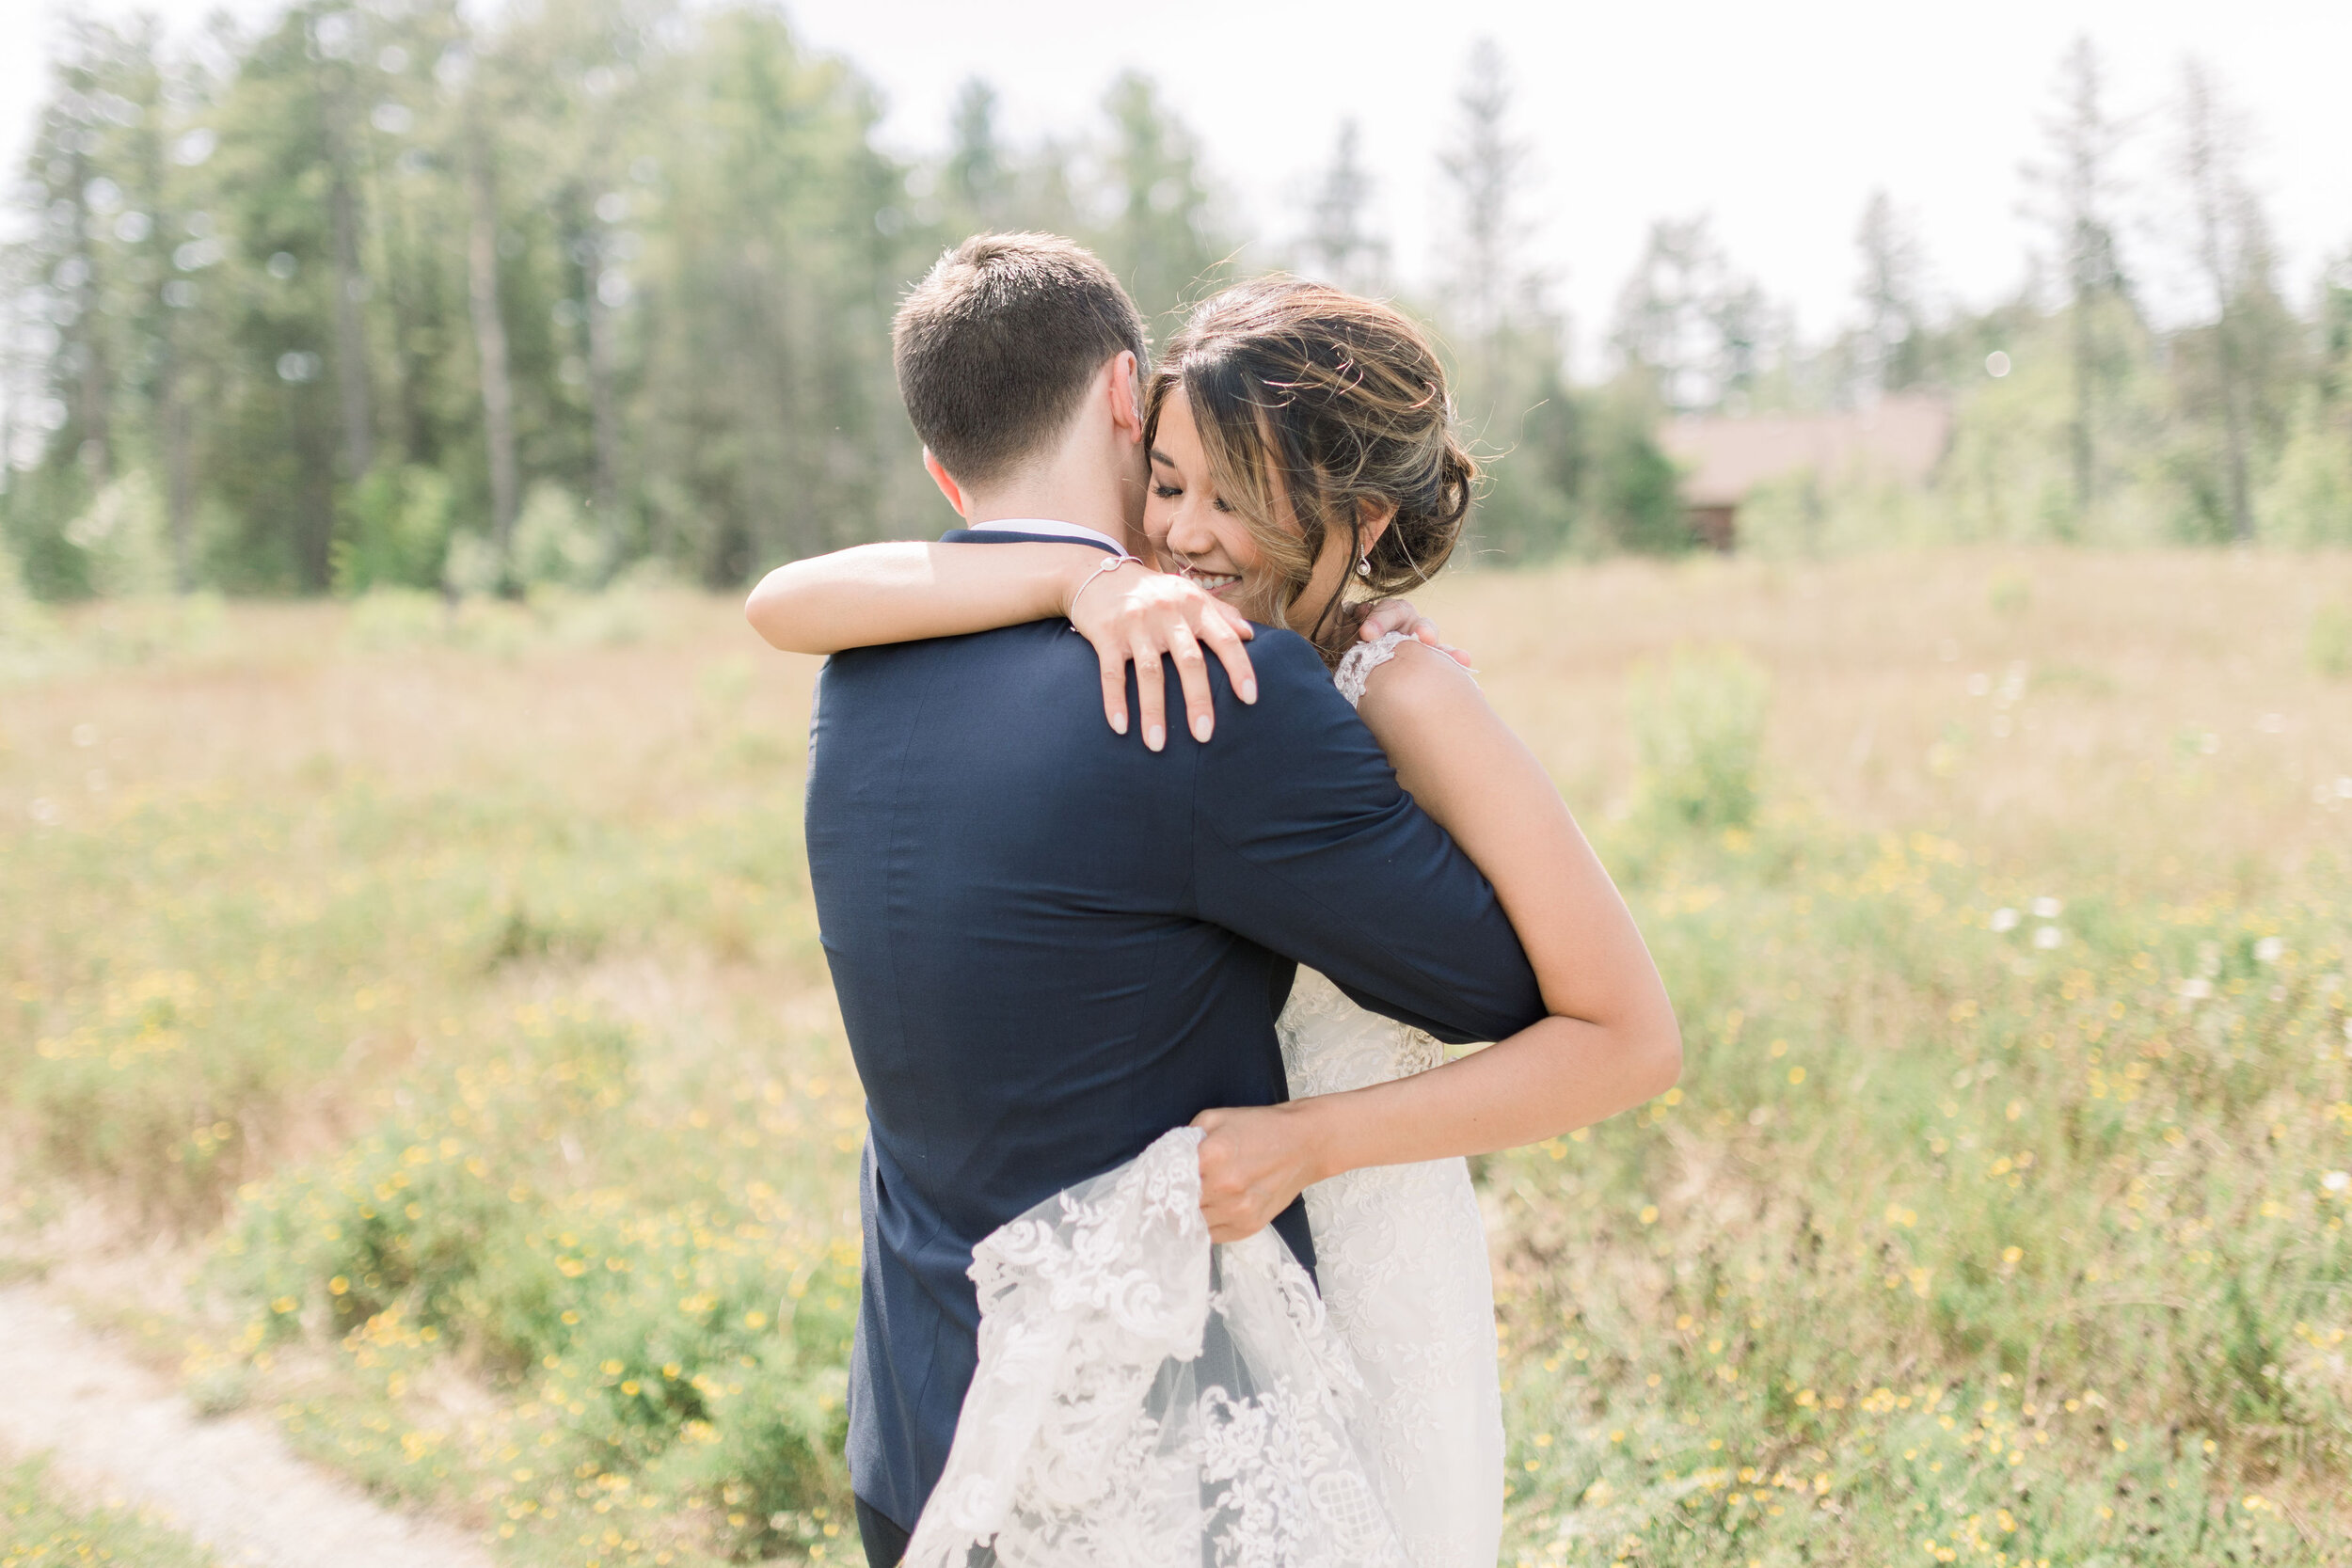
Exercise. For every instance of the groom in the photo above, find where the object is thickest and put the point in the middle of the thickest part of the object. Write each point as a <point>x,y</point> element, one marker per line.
<point>1051,945</point>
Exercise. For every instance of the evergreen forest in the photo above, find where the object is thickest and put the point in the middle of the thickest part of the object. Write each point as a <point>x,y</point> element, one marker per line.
<point>391,294</point>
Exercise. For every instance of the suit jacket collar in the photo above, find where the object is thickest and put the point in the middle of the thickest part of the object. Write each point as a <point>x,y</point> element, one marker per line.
<point>1031,531</point>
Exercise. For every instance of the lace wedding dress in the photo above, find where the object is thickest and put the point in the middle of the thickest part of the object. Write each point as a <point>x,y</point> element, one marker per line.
<point>1145,1400</point>
<point>1401,1255</point>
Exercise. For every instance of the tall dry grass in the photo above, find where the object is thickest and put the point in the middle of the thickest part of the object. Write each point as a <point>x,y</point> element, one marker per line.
<point>443,995</point>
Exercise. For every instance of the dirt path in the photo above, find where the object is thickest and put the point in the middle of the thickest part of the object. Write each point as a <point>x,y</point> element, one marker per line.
<point>116,1431</point>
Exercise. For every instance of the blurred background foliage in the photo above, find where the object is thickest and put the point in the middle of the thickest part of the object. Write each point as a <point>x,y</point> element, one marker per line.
<point>389,295</point>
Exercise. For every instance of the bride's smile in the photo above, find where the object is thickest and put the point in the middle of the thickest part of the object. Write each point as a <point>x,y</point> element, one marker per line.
<point>1215,582</point>
<point>1197,532</point>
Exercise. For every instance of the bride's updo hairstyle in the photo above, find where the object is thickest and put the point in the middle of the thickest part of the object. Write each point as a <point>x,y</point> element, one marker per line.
<point>1337,404</point>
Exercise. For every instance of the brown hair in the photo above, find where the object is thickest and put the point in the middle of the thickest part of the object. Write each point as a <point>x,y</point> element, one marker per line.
<point>995,346</point>
<point>1334,401</point>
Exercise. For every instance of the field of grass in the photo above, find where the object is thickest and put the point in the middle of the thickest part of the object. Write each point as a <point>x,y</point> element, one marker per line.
<point>415,1027</point>
<point>37,1531</point>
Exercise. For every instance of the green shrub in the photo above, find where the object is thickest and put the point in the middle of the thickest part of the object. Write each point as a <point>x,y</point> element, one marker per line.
<point>38,1529</point>
<point>1698,730</point>
<point>122,534</point>
<point>395,530</point>
<point>554,545</point>
<point>698,1343</point>
<point>2328,644</point>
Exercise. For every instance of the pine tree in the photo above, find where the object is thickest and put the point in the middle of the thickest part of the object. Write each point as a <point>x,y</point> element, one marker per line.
<point>1889,292</point>
<point>978,179</point>
<point>1486,166</point>
<point>1160,240</point>
<point>1339,244</point>
<point>2230,247</point>
<point>2081,186</point>
<point>1690,325</point>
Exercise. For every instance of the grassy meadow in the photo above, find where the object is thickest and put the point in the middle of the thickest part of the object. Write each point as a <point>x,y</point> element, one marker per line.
<point>36,1530</point>
<point>414,1027</point>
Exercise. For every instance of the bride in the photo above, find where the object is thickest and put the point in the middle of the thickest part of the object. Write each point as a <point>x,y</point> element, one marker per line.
<point>1136,1327</point>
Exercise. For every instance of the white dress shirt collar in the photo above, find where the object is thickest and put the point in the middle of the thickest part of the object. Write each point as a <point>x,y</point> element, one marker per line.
<point>1047,526</point>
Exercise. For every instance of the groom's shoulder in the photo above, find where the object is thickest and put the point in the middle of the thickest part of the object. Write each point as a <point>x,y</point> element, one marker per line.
<point>1298,715</point>
<point>1293,680</point>
<point>1031,642</point>
<point>1284,661</point>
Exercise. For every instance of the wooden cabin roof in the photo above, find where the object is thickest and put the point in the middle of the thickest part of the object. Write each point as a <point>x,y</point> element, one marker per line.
<point>1723,457</point>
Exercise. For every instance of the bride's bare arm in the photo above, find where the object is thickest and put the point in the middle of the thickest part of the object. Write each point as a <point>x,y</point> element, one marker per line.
<point>1610,1043</point>
<point>902,593</point>
<point>905,591</point>
<point>873,594</point>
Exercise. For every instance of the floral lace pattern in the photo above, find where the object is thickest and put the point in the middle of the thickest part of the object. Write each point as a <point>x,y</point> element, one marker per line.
<point>1401,1254</point>
<point>1145,1400</point>
<point>1358,662</point>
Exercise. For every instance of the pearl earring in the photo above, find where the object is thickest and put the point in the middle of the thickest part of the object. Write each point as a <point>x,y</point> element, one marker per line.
<point>1363,567</point>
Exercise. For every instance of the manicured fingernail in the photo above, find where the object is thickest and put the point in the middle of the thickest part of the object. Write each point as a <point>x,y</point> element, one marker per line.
<point>1154,737</point>
<point>1118,723</point>
<point>1250,691</point>
<point>1203,726</point>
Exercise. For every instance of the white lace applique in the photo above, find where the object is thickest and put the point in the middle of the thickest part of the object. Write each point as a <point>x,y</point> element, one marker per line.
<point>1147,1401</point>
<point>1401,1255</point>
<point>1358,662</point>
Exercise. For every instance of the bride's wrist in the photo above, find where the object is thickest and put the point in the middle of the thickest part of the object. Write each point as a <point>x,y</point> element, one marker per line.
<point>1078,578</point>
<point>1321,1130</point>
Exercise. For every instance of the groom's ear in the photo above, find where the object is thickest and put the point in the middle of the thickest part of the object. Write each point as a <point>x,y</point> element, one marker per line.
<point>1126,393</point>
<point>946,483</point>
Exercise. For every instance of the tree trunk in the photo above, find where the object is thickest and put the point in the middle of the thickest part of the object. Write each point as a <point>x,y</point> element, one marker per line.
<point>2234,432</point>
<point>2085,344</point>
<point>179,504</point>
<point>606,418</point>
<point>489,336</point>
<point>8,417</point>
<point>397,258</point>
<point>97,426</point>
<point>351,343</point>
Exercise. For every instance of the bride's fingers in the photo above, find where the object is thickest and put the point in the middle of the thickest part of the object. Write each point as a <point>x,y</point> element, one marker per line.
<point>1425,632</point>
<point>1386,616</point>
<point>1192,673</point>
<point>1235,1222</point>
<point>1151,696</point>
<point>1225,640</point>
<point>1114,667</point>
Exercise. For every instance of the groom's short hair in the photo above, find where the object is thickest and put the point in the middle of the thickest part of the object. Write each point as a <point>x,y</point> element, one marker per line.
<point>996,345</point>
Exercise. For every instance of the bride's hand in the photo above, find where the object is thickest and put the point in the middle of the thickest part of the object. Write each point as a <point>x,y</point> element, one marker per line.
<point>1253,1162</point>
<point>1142,616</point>
<point>1387,616</point>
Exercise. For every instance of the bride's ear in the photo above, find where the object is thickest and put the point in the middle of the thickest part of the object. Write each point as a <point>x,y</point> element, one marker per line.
<point>1372,521</point>
<point>946,483</point>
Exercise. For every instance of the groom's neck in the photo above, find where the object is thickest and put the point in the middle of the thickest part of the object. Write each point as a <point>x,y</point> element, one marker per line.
<point>1081,484</point>
<point>1088,505</point>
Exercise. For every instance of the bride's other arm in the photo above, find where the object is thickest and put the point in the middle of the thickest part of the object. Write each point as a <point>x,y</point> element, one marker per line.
<point>874,594</point>
<point>903,592</point>
<point>1610,1043</point>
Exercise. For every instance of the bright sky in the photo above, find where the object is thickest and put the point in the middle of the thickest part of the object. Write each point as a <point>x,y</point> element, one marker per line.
<point>1777,120</point>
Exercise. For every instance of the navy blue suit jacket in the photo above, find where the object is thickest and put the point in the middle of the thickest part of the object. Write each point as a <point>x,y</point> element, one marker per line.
<point>1051,945</point>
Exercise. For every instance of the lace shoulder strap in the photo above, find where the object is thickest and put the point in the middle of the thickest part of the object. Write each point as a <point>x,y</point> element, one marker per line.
<point>1358,662</point>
